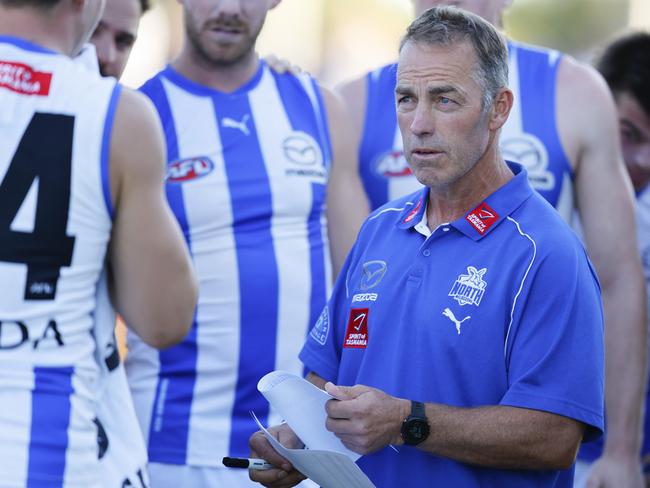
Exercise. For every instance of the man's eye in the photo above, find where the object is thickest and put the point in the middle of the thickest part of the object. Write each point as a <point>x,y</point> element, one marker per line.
<point>630,136</point>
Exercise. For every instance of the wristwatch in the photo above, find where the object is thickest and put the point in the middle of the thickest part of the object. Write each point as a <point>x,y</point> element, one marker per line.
<point>415,427</point>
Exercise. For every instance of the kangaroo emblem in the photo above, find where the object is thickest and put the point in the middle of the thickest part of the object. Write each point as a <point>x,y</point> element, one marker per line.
<point>450,315</point>
<point>234,124</point>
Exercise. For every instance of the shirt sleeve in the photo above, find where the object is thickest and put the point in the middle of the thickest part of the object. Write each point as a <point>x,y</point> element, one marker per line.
<point>322,350</point>
<point>555,345</point>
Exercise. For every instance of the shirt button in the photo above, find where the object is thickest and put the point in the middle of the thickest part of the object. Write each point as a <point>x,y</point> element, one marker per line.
<point>426,253</point>
<point>445,229</point>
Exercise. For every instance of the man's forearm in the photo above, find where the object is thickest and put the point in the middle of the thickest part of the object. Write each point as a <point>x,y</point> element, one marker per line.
<point>502,437</point>
<point>625,362</point>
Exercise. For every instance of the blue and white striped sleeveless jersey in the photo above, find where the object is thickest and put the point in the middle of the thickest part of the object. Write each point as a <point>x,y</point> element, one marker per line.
<point>529,137</point>
<point>247,175</point>
<point>55,222</point>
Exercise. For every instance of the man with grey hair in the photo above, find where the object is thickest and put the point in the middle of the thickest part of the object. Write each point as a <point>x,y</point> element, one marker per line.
<point>562,129</point>
<point>467,315</point>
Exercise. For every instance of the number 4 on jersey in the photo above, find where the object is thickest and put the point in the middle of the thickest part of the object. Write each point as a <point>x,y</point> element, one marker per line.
<point>43,155</point>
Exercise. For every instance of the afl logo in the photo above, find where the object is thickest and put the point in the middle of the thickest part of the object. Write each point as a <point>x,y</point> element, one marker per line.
<point>301,148</point>
<point>393,164</point>
<point>528,150</point>
<point>189,169</point>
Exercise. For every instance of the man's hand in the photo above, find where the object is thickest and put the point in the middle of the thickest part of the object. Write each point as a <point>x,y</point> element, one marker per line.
<point>282,66</point>
<point>285,475</point>
<point>365,419</point>
<point>607,472</point>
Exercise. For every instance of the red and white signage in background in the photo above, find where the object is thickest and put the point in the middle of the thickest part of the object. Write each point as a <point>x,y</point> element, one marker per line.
<point>482,218</point>
<point>356,335</point>
<point>393,164</point>
<point>22,79</point>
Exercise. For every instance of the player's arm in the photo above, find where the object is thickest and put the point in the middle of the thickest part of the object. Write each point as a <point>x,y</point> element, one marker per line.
<point>153,282</point>
<point>605,201</point>
<point>347,206</point>
<point>354,94</point>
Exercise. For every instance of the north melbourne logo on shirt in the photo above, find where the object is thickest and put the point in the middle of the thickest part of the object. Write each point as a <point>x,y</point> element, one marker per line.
<point>356,335</point>
<point>482,218</point>
<point>469,289</point>
<point>23,79</point>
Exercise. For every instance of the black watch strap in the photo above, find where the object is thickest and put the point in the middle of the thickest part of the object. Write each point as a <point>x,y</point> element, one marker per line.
<point>417,410</point>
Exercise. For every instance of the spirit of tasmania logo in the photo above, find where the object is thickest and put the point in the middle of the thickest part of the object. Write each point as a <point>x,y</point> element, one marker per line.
<point>23,79</point>
<point>469,289</point>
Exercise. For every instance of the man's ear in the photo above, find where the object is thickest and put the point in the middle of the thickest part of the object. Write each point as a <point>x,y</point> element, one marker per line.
<point>500,109</point>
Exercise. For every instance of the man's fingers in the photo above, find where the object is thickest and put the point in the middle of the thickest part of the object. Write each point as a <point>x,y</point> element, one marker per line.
<point>345,392</point>
<point>261,448</point>
<point>276,478</point>
<point>339,392</point>
<point>342,427</point>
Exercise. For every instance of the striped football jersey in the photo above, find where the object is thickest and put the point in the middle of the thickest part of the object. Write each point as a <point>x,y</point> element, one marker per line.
<point>55,223</point>
<point>246,179</point>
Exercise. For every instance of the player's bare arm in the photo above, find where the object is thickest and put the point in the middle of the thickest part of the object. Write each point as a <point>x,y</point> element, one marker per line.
<point>354,94</point>
<point>586,114</point>
<point>347,205</point>
<point>153,282</point>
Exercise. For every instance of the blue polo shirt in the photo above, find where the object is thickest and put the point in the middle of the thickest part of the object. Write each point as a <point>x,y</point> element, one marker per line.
<point>500,307</point>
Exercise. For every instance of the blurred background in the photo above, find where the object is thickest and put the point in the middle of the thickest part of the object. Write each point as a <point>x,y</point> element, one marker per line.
<point>336,40</point>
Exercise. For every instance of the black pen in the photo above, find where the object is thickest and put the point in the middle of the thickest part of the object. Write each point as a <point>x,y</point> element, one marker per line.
<point>246,463</point>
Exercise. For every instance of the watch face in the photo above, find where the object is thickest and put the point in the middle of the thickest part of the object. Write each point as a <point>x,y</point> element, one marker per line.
<point>415,431</point>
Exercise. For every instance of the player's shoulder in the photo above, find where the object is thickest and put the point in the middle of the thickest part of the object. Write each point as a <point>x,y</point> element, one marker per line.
<point>585,103</point>
<point>534,50</point>
<point>580,79</point>
<point>153,84</point>
<point>358,84</point>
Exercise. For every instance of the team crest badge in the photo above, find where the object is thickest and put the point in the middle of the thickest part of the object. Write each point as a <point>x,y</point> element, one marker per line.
<point>321,329</point>
<point>469,289</point>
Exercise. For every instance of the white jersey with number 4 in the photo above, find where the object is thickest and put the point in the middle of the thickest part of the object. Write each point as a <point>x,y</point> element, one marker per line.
<point>55,221</point>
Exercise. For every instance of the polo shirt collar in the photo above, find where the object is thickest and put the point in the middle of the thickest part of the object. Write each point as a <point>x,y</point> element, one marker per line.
<point>480,221</point>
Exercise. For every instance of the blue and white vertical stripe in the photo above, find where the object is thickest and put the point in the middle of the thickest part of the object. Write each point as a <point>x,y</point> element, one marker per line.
<point>530,136</point>
<point>49,428</point>
<point>256,230</point>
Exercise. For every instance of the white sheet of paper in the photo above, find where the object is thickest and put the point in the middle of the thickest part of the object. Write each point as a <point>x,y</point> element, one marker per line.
<point>327,468</point>
<point>302,405</point>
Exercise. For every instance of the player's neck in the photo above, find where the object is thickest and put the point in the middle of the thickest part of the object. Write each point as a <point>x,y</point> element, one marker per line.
<point>224,78</point>
<point>28,24</point>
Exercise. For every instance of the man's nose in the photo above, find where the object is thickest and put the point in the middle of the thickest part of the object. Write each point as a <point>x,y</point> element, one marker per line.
<point>641,155</point>
<point>106,51</point>
<point>423,120</point>
<point>229,7</point>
